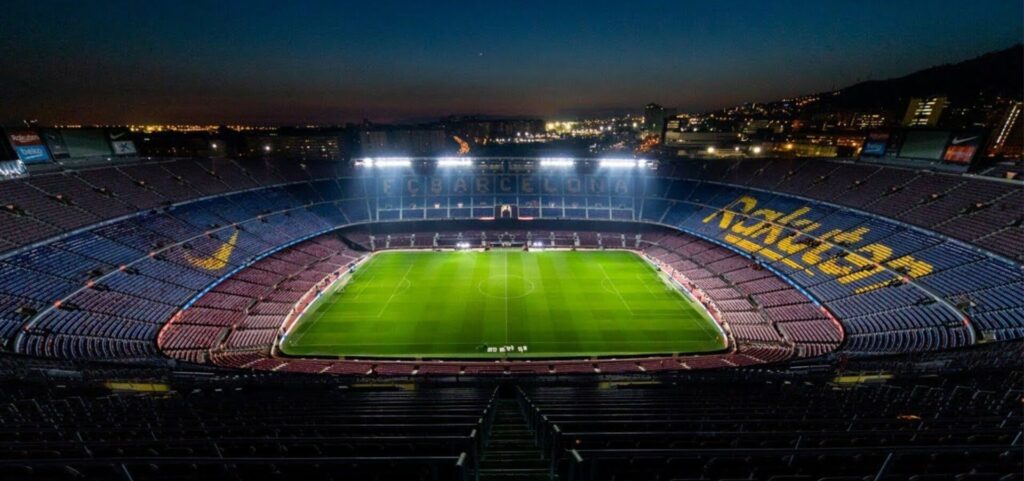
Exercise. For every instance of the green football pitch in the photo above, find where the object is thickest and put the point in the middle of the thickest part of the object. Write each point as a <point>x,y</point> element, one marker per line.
<point>503,304</point>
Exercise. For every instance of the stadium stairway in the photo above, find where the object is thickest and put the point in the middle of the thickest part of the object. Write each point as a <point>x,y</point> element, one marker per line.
<point>512,453</point>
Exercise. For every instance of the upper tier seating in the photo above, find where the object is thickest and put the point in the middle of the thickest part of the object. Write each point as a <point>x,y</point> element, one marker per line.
<point>93,261</point>
<point>971,209</point>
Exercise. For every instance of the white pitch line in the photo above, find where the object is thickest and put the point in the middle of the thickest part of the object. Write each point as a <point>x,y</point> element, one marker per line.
<point>616,289</point>
<point>302,328</point>
<point>506,300</point>
<point>684,299</point>
<point>394,292</point>
<point>366,285</point>
<point>598,343</point>
<point>643,283</point>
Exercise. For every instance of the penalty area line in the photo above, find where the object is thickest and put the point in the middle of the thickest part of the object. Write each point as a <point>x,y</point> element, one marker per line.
<point>616,289</point>
<point>395,292</point>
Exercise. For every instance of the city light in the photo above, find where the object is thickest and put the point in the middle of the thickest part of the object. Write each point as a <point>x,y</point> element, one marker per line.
<point>711,149</point>
<point>556,162</point>
<point>385,162</point>
<point>757,149</point>
<point>620,163</point>
<point>454,162</point>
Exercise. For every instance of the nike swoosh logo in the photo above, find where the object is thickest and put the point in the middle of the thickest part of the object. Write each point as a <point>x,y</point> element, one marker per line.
<point>957,141</point>
<point>219,259</point>
<point>117,136</point>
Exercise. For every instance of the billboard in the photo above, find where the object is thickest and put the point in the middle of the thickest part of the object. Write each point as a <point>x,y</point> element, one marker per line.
<point>53,139</point>
<point>29,146</point>
<point>962,149</point>
<point>876,144</point>
<point>85,143</point>
<point>121,142</point>
<point>12,169</point>
<point>924,144</point>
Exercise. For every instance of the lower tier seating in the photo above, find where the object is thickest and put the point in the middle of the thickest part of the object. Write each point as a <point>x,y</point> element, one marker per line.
<point>238,323</point>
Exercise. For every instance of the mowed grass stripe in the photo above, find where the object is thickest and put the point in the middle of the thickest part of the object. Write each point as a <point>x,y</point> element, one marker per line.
<point>411,304</point>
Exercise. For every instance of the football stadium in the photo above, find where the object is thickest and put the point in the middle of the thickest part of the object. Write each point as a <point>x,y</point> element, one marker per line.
<point>511,315</point>
<point>512,241</point>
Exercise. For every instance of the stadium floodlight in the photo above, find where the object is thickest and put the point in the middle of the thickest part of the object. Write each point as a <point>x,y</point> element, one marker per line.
<point>387,162</point>
<point>556,162</point>
<point>620,163</point>
<point>454,162</point>
<point>757,149</point>
<point>393,162</point>
<point>711,149</point>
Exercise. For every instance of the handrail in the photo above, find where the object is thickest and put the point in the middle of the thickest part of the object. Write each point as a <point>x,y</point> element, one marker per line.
<point>576,455</point>
<point>228,460</point>
<point>615,453</point>
<point>772,434</point>
<point>229,440</point>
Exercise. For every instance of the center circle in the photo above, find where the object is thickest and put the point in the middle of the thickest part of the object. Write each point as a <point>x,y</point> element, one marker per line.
<point>510,286</point>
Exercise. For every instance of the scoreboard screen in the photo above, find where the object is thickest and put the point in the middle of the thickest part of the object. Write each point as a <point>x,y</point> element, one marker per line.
<point>924,144</point>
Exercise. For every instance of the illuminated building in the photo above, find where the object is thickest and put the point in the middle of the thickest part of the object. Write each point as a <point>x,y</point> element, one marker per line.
<point>1007,133</point>
<point>406,140</point>
<point>924,112</point>
<point>294,145</point>
<point>654,117</point>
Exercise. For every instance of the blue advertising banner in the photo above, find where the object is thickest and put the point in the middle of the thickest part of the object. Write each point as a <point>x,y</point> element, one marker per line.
<point>29,146</point>
<point>876,144</point>
<point>33,154</point>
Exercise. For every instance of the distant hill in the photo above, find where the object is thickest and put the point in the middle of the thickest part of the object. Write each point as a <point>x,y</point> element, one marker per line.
<point>997,73</point>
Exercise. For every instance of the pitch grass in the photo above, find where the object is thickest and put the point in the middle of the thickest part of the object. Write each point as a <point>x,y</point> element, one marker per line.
<point>410,304</point>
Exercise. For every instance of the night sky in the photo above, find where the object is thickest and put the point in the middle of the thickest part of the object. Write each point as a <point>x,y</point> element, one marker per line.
<point>296,62</point>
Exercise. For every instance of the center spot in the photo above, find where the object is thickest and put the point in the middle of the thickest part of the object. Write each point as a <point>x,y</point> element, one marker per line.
<point>506,286</point>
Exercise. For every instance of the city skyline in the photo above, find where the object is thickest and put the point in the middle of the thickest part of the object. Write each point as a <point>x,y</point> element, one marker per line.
<point>324,62</point>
